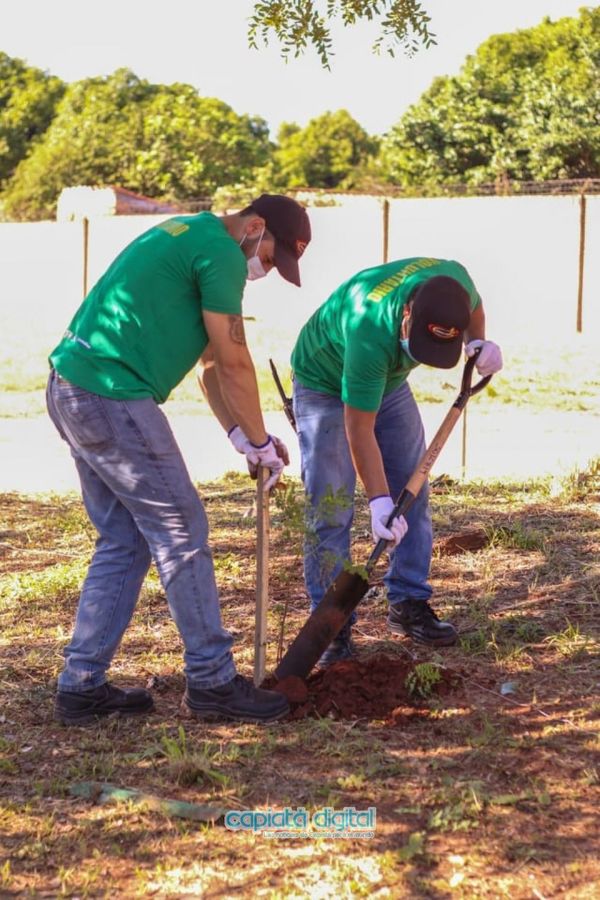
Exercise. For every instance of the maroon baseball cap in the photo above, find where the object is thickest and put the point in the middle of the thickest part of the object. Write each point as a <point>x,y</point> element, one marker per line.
<point>288,223</point>
<point>441,312</point>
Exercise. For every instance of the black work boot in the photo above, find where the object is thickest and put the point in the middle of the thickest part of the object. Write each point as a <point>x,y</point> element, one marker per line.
<point>417,619</point>
<point>86,707</point>
<point>342,647</point>
<point>238,699</point>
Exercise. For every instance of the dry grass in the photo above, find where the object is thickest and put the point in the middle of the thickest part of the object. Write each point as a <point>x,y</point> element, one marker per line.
<point>483,794</point>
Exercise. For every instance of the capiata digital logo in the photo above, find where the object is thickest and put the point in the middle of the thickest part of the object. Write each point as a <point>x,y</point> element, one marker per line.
<point>348,822</point>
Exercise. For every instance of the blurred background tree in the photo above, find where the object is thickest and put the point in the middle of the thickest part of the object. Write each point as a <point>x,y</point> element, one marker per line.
<point>28,99</point>
<point>159,140</point>
<point>525,106</point>
<point>330,152</point>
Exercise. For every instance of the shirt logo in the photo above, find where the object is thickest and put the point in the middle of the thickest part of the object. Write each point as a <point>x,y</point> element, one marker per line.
<point>173,227</point>
<point>442,333</point>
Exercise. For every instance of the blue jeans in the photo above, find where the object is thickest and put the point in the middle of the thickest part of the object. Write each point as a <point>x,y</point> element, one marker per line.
<point>330,479</point>
<point>139,496</point>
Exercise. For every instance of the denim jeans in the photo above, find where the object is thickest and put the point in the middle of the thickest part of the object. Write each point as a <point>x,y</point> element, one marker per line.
<point>139,496</point>
<point>330,480</point>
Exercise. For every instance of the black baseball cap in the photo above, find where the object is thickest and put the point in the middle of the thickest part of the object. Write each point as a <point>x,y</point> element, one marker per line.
<point>288,222</point>
<point>441,311</point>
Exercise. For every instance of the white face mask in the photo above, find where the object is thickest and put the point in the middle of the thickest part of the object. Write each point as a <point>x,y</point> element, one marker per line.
<point>255,267</point>
<point>404,345</point>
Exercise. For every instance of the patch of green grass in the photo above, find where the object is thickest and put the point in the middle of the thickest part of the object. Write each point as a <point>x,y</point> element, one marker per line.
<point>53,583</point>
<point>414,848</point>
<point>187,767</point>
<point>422,681</point>
<point>474,642</point>
<point>581,484</point>
<point>463,804</point>
<point>520,629</point>
<point>515,537</point>
<point>570,642</point>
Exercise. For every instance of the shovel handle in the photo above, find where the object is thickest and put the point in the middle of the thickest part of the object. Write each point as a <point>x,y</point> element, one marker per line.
<point>466,390</point>
<point>419,476</point>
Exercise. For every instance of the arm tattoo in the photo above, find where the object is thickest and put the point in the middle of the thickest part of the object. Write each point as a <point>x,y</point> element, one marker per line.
<point>236,330</point>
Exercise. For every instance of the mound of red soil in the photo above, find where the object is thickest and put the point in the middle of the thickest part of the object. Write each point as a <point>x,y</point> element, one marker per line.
<point>371,688</point>
<point>466,542</point>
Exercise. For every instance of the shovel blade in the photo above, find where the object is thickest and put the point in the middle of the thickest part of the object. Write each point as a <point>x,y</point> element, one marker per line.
<point>323,625</point>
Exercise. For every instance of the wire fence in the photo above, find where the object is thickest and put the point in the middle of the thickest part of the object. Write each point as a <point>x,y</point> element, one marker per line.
<point>502,187</point>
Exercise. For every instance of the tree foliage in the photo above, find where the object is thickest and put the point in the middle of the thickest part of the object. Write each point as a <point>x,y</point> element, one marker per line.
<point>299,24</point>
<point>330,152</point>
<point>28,99</point>
<point>163,141</point>
<point>525,106</point>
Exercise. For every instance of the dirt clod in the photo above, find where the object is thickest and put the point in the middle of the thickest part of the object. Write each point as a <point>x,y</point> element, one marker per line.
<point>466,542</point>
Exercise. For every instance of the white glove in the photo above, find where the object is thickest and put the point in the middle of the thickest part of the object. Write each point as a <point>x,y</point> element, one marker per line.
<point>239,440</point>
<point>381,509</point>
<point>272,456</point>
<point>490,358</point>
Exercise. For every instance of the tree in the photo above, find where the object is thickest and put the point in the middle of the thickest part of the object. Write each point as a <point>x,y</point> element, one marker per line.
<point>525,106</point>
<point>330,152</point>
<point>28,99</point>
<point>163,141</point>
<point>298,24</point>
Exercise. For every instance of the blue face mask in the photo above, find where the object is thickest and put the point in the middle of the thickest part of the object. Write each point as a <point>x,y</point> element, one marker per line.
<point>404,345</point>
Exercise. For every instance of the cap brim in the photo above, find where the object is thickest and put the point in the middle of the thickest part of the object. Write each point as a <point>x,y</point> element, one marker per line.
<point>441,356</point>
<point>287,264</point>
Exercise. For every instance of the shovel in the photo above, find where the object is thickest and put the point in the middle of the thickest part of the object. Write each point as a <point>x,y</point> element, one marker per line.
<point>346,592</point>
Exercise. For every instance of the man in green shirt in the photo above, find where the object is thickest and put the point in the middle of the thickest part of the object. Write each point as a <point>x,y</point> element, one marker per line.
<point>171,298</point>
<point>355,413</point>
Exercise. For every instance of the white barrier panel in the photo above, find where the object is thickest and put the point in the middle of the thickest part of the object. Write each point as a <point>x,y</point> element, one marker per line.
<point>344,240</point>
<point>591,272</point>
<point>111,234</point>
<point>41,277</point>
<point>522,253</point>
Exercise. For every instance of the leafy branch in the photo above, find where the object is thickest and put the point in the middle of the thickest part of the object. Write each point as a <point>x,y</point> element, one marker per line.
<point>299,24</point>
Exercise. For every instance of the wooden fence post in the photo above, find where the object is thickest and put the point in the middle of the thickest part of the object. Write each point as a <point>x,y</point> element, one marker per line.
<point>86,238</point>
<point>386,229</point>
<point>262,575</point>
<point>582,212</point>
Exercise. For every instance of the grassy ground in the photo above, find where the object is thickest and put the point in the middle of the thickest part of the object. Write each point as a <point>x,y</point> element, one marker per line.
<point>565,378</point>
<point>480,793</point>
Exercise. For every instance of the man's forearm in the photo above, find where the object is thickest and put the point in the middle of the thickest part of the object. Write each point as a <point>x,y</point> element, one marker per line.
<point>476,329</point>
<point>365,452</point>
<point>239,395</point>
<point>209,385</point>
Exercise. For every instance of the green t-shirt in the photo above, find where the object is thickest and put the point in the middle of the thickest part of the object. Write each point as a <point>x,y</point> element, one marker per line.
<point>350,347</point>
<point>140,329</point>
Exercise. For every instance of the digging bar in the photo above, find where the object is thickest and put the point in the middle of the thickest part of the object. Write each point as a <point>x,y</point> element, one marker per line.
<point>351,585</point>
<point>288,403</point>
<point>262,575</point>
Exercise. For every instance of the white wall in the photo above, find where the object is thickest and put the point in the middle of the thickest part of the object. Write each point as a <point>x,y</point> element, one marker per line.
<point>521,251</point>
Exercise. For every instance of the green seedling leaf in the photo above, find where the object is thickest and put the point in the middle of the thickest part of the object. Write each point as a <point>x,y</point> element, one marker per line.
<point>507,799</point>
<point>415,846</point>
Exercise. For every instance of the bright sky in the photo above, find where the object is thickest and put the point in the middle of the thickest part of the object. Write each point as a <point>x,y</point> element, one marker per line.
<point>204,43</point>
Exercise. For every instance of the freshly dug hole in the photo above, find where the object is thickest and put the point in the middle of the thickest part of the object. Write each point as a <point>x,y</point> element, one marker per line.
<point>371,688</point>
